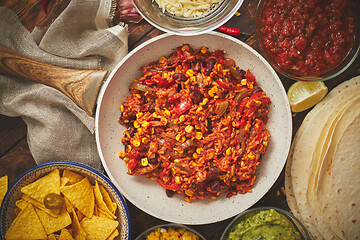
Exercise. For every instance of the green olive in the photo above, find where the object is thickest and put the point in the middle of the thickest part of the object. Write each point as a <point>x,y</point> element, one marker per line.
<point>53,201</point>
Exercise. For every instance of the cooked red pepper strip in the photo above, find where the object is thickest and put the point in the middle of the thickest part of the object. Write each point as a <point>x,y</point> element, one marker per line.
<point>173,99</point>
<point>44,4</point>
<point>223,85</point>
<point>182,107</point>
<point>172,186</point>
<point>249,76</point>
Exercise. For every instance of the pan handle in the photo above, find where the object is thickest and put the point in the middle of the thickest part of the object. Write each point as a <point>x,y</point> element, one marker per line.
<point>81,86</point>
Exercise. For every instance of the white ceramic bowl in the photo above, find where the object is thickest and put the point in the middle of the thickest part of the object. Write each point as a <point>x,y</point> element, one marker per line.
<point>167,22</point>
<point>147,194</point>
<point>7,209</point>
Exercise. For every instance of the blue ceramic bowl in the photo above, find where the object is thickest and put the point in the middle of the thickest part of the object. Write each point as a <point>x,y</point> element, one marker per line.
<point>7,208</point>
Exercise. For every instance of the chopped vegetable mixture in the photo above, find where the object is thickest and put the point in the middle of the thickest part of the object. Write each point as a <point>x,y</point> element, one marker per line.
<point>196,124</point>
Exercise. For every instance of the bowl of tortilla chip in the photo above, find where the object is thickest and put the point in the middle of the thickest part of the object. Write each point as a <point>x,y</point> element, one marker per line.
<point>63,200</point>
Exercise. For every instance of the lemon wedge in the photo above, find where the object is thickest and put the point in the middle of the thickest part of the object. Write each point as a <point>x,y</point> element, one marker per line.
<point>304,95</point>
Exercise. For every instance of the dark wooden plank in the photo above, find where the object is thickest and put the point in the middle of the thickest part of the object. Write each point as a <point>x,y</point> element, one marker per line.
<point>12,130</point>
<point>17,161</point>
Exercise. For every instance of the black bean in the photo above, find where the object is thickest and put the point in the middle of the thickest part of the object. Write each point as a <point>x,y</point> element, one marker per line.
<point>209,68</point>
<point>169,193</point>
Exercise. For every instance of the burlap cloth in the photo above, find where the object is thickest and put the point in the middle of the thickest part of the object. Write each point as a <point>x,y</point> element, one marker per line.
<point>79,38</point>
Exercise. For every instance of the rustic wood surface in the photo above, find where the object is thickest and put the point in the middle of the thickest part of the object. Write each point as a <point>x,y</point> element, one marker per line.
<point>15,157</point>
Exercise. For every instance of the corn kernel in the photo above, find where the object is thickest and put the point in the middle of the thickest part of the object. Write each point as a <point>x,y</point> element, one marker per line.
<point>164,121</point>
<point>126,159</point>
<point>243,81</point>
<point>242,164</point>
<point>139,114</point>
<point>199,109</point>
<point>251,86</point>
<point>199,150</point>
<point>189,193</point>
<point>198,179</point>
<point>181,118</point>
<point>211,94</point>
<point>155,115</point>
<point>248,104</point>
<point>145,124</point>
<point>177,180</point>
<point>177,160</point>
<point>211,155</point>
<point>247,127</point>
<point>237,14</point>
<point>228,151</point>
<point>233,124</point>
<point>258,102</point>
<point>189,128</point>
<point>214,89</point>
<point>198,135</point>
<point>203,49</point>
<point>135,142</point>
<point>195,156</point>
<point>165,75</point>
<point>197,127</point>
<point>122,108</point>
<point>208,78</point>
<point>204,101</point>
<point>265,143</point>
<point>167,112</point>
<point>193,79</point>
<point>138,95</point>
<point>136,124</point>
<point>162,59</point>
<point>251,156</point>
<point>145,140</point>
<point>144,162</point>
<point>190,72</point>
<point>152,130</point>
<point>187,199</point>
<point>122,154</point>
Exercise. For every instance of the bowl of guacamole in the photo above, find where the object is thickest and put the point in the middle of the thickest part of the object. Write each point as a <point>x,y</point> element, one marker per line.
<point>265,223</point>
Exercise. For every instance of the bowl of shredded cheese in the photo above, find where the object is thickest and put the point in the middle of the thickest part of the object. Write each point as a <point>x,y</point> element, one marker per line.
<point>187,17</point>
<point>170,231</point>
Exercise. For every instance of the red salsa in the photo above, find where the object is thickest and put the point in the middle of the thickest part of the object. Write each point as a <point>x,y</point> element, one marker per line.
<point>307,37</point>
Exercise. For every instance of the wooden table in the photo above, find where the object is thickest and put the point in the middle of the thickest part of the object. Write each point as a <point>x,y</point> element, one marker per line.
<point>15,157</point>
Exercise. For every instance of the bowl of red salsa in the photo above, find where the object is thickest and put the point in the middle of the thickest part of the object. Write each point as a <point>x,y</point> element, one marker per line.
<point>309,40</point>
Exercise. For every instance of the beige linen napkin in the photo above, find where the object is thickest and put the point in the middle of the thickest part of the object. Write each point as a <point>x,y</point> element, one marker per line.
<point>81,37</point>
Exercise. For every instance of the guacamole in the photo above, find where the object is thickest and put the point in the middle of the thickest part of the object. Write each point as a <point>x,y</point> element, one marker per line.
<point>264,224</point>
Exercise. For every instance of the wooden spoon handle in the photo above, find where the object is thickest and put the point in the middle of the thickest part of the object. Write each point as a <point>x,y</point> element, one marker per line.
<point>81,86</point>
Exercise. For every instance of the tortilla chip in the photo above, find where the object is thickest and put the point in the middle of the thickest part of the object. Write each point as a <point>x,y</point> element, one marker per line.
<point>98,228</point>
<point>100,201</point>
<point>3,187</point>
<point>73,177</point>
<point>52,224</point>
<point>64,181</point>
<point>103,214</point>
<point>26,225</point>
<point>52,237</point>
<point>107,199</point>
<point>40,205</point>
<point>81,195</point>
<point>68,205</point>
<point>65,235</point>
<point>77,230</point>
<point>113,235</point>
<point>43,186</point>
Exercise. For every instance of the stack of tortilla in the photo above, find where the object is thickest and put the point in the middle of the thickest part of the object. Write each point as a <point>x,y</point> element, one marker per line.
<point>322,173</point>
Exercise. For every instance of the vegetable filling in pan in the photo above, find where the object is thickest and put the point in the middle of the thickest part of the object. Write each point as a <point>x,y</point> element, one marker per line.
<point>196,124</point>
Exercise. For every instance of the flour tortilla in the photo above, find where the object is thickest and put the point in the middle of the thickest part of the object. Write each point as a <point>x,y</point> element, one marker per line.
<point>305,146</point>
<point>323,191</point>
<point>316,197</point>
<point>345,180</point>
